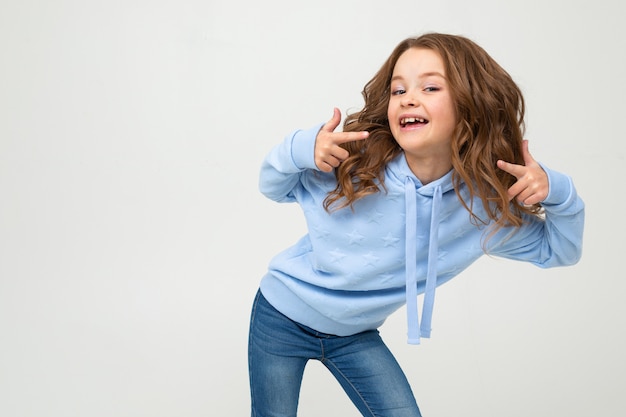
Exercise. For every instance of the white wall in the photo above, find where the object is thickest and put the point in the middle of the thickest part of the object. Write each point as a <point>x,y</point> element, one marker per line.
<point>133,237</point>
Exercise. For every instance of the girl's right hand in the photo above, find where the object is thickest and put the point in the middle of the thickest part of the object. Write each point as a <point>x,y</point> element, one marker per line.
<point>328,153</point>
<point>532,184</point>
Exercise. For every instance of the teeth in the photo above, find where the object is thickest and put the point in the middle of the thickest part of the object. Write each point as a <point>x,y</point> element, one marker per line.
<point>411,120</point>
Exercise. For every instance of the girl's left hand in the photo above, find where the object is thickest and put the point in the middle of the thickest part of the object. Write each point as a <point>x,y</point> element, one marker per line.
<point>532,181</point>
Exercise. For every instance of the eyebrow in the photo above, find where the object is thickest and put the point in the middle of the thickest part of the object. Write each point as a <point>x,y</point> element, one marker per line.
<point>423,75</point>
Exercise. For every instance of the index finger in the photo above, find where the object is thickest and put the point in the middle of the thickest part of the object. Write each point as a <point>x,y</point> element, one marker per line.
<point>343,137</point>
<point>516,170</point>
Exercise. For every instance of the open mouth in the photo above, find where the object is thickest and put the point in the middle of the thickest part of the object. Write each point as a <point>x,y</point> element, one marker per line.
<point>412,121</point>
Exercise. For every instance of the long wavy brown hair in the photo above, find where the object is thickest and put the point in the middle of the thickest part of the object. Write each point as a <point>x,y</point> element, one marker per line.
<point>490,126</point>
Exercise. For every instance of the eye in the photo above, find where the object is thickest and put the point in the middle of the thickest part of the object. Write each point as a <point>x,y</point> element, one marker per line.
<point>397,92</point>
<point>431,89</point>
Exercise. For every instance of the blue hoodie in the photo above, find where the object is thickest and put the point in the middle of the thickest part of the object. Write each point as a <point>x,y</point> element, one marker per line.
<point>356,267</point>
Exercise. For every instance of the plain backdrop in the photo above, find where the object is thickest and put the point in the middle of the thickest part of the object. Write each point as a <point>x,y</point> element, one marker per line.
<point>133,236</point>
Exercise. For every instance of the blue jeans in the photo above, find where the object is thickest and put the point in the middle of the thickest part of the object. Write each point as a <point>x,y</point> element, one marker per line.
<point>279,349</point>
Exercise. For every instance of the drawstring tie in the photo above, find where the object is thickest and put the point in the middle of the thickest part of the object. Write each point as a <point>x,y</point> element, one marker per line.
<point>415,329</point>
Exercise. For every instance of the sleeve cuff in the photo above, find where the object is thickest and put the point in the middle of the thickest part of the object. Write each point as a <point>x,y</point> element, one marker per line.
<point>303,147</point>
<point>561,187</point>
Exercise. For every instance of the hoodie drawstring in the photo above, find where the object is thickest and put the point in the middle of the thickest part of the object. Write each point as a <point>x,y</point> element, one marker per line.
<point>415,329</point>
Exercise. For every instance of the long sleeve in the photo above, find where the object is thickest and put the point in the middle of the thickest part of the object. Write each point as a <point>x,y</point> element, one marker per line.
<point>555,240</point>
<point>281,169</point>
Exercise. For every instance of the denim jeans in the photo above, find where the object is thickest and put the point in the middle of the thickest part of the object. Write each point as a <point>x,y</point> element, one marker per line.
<point>279,349</point>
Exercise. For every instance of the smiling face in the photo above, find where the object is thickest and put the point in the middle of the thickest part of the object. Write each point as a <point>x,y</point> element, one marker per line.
<point>421,112</point>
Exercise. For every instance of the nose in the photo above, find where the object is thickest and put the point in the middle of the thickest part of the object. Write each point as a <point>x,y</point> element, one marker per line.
<point>409,100</point>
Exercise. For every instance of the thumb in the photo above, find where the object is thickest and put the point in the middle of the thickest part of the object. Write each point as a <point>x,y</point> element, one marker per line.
<point>332,124</point>
<point>526,153</point>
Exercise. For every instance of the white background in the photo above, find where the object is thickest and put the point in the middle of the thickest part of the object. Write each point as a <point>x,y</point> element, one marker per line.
<point>133,237</point>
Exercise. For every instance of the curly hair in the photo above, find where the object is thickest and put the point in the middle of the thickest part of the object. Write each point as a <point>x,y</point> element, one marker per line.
<point>490,126</point>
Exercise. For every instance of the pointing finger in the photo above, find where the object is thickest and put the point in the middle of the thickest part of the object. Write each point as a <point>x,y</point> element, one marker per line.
<point>516,170</point>
<point>344,137</point>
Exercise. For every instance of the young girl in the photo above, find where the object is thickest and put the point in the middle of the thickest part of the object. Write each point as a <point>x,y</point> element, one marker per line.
<point>430,175</point>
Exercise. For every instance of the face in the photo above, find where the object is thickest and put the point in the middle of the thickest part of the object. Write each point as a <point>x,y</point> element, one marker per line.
<point>421,113</point>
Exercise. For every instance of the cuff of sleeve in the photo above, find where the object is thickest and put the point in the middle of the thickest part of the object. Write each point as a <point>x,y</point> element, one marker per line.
<point>560,189</point>
<point>303,147</point>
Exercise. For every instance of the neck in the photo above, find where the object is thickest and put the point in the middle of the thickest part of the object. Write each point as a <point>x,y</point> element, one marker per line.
<point>429,169</point>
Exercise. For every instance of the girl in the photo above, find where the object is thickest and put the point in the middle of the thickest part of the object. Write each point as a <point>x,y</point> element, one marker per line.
<point>430,175</point>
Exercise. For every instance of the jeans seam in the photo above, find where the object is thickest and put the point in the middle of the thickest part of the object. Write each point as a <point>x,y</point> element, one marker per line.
<point>330,363</point>
<point>253,316</point>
